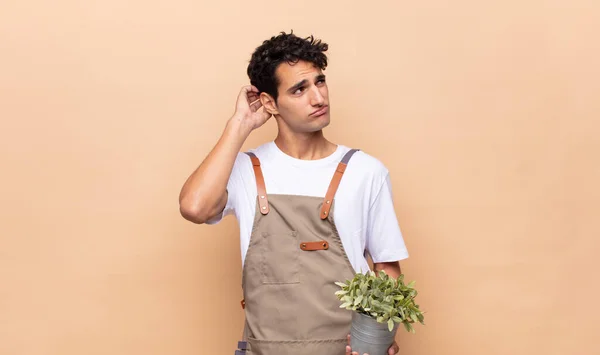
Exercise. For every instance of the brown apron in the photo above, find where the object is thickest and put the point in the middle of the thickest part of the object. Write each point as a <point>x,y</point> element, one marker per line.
<point>294,257</point>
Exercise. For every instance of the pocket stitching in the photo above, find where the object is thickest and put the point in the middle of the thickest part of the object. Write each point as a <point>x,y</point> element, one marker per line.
<point>296,261</point>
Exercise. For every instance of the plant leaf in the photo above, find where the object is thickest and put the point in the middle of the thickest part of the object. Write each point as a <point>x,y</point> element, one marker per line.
<point>358,300</point>
<point>414,317</point>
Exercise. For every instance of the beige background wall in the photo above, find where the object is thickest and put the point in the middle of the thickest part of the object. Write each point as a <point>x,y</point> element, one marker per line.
<point>486,113</point>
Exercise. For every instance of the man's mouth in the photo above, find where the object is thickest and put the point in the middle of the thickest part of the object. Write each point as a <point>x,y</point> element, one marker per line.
<point>323,110</point>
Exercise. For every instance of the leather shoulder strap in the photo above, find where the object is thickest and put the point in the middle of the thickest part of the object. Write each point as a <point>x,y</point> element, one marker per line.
<point>335,183</point>
<point>263,202</point>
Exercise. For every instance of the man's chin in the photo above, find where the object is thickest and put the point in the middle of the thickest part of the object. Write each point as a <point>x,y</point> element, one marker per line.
<point>322,124</point>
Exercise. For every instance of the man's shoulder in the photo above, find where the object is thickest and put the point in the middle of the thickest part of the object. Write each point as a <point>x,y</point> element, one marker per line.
<point>367,163</point>
<point>262,151</point>
<point>243,164</point>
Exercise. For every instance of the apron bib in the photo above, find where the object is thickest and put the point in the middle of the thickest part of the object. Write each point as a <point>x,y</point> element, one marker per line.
<point>294,257</point>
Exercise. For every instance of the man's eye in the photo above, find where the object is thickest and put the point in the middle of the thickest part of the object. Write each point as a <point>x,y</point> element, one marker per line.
<point>299,91</point>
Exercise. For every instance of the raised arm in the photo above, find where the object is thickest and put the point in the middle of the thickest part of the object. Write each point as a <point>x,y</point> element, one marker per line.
<point>204,194</point>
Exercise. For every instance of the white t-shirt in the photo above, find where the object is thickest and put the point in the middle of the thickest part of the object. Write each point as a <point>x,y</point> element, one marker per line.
<point>363,212</point>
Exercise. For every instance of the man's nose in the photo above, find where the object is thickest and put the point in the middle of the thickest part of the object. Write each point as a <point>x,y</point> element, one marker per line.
<point>317,98</point>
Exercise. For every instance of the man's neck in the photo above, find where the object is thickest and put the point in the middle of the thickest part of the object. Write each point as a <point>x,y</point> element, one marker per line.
<point>307,146</point>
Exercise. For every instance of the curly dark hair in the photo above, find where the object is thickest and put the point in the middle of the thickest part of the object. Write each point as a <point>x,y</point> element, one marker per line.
<point>283,48</point>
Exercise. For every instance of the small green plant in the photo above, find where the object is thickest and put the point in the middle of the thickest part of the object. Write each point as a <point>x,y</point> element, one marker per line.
<point>381,297</point>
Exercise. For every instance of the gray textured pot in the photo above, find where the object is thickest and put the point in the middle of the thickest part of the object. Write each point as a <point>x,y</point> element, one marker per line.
<point>369,337</point>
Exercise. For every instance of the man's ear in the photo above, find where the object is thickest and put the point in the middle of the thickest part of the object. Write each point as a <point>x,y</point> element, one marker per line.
<point>268,103</point>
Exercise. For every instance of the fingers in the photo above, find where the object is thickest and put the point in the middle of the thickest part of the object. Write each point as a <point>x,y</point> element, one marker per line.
<point>349,349</point>
<point>249,88</point>
<point>248,92</point>
<point>394,349</point>
<point>253,97</point>
<point>255,106</point>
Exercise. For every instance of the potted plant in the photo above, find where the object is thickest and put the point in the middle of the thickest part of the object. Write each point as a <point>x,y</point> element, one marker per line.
<point>380,303</point>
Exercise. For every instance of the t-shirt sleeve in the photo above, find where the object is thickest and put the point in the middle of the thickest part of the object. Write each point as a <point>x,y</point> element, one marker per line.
<point>233,187</point>
<point>385,242</point>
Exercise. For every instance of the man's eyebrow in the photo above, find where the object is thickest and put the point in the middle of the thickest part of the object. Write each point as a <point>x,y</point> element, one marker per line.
<point>298,85</point>
<point>320,77</point>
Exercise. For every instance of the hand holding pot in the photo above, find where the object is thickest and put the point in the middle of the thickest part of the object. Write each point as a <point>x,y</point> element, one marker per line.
<point>393,350</point>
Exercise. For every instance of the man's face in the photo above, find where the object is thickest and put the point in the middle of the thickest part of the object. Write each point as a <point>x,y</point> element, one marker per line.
<point>303,101</point>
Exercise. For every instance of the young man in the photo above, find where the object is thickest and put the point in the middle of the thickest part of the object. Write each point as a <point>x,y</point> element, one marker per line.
<point>309,210</point>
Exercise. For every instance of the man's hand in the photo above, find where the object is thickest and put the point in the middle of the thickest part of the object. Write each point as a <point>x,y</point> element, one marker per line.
<point>247,109</point>
<point>393,350</point>
<point>204,193</point>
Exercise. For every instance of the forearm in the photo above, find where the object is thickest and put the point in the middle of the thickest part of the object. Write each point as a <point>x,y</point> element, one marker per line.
<point>204,192</point>
<point>390,268</point>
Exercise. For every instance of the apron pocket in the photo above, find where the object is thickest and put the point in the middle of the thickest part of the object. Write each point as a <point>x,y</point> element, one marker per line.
<point>297,347</point>
<point>279,258</point>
